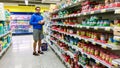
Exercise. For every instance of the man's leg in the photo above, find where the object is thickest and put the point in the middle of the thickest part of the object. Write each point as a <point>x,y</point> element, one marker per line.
<point>39,46</point>
<point>39,42</point>
<point>35,36</point>
<point>34,46</point>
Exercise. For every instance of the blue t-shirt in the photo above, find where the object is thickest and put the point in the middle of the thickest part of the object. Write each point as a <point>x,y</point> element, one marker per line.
<point>35,18</point>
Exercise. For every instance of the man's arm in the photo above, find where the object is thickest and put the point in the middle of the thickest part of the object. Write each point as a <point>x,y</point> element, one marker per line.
<point>32,21</point>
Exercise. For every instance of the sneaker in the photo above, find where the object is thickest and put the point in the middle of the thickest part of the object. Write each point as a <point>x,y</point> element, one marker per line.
<point>40,52</point>
<point>35,54</point>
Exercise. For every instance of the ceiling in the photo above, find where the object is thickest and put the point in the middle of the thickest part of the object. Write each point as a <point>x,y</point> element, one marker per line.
<point>31,1</point>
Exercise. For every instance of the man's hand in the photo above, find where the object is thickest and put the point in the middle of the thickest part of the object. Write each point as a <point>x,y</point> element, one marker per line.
<point>41,22</point>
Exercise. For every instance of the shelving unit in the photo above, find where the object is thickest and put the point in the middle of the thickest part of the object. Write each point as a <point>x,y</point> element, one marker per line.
<point>20,23</point>
<point>115,10</point>
<point>84,31</point>
<point>112,46</point>
<point>78,49</point>
<point>5,31</point>
<point>58,53</point>
<point>5,49</point>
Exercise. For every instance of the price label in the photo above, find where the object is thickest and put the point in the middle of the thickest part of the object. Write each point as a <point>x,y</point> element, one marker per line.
<point>75,15</point>
<point>117,11</point>
<point>79,0</point>
<point>117,38</point>
<point>92,12</point>
<point>104,46</point>
<point>96,28</point>
<point>78,14</point>
<point>85,13</point>
<point>103,10</point>
<point>107,28</point>
<point>86,40</point>
<point>116,65</point>
<point>87,27</point>
<point>80,26</point>
<point>79,38</point>
<point>97,61</point>
<point>88,56</point>
<point>94,43</point>
<point>77,26</point>
<point>76,1</point>
<point>72,25</point>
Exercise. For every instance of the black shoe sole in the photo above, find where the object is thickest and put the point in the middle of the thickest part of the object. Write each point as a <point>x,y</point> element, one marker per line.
<point>35,54</point>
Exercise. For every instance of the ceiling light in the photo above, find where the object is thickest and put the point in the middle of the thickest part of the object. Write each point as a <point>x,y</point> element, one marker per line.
<point>26,2</point>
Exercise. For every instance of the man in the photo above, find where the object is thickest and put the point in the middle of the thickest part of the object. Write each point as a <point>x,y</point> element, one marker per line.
<point>37,22</point>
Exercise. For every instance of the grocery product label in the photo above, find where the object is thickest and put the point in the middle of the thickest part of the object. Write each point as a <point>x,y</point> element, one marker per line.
<point>104,46</point>
<point>117,11</point>
<point>92,12</point>
<point>87,27</point>
<point>116,62</point>
<point>103,10</point>
<point>94,43</point>
<point>117,31</point>
<point>97,61</point>
<point>85,13</point>
<point>96,28</point>
<point>107,28</point>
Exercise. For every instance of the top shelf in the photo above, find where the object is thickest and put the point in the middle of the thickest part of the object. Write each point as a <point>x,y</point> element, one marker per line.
<point>115,10</point>
<point>69,6</point>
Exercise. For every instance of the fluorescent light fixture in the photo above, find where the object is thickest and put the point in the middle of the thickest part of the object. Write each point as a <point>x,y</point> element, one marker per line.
<point>26,2</point>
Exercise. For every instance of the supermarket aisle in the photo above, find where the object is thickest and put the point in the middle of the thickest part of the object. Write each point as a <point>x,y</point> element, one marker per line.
<point>20,56</point>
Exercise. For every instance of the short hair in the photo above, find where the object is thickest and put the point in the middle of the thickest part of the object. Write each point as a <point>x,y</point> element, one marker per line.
<point>36,8</point>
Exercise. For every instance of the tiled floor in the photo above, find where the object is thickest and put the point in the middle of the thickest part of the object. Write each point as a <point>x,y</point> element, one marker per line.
<point>20,55</point>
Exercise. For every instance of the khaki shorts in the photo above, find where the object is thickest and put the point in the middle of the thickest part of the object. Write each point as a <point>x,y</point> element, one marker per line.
<point>37,34</point>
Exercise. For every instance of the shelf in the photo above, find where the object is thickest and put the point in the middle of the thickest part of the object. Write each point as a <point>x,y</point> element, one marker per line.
<point>20,20</point>
<point>21,33</point>
<point>59,54</point>
<point>5,34</point>
<point>116,62</point>
<point>81,65</point>
<point>99,61</point>
<point>69,6</point>
<point>5,49</point>
<point>20,25</point>
<point>107,28</point>
<point>89,13</point>
<point>68,52</point>
<point>104,45</point>
<point>89,55</point>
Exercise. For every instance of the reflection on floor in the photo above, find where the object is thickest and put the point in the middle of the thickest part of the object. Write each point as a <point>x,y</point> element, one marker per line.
<point>20,55</point>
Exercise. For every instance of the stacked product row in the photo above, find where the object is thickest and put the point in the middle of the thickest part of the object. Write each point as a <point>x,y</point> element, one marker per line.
<point>5,30</point>
<point>79,57</point>
<point>106,38</point>
<point>92,21</point>
<point>86,30</point>
<point>20,23</point>
<point>87,47</point>
<point>5,41</point>
<point>86,6</point>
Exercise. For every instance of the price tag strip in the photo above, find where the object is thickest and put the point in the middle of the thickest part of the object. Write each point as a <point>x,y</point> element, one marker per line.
<point>117,11</point>
<point>107,28</point>
<point>103,10</point>
<point>116,62</point>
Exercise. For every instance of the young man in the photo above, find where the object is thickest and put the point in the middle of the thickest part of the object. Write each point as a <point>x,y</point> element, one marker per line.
<point>37,22</point>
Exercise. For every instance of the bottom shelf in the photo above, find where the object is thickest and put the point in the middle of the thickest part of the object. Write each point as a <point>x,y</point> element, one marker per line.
<point>25,33</point>
<point>59,55</point>
<point>5,49</point>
